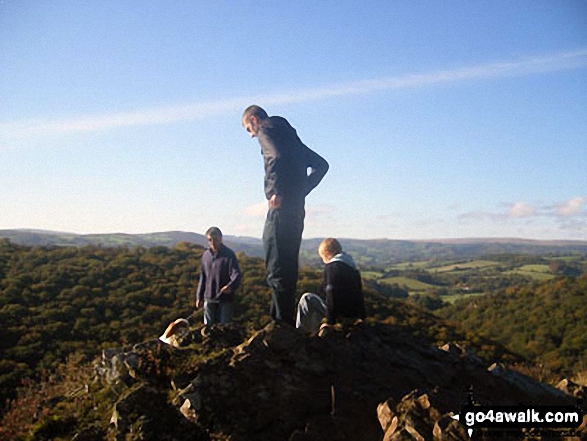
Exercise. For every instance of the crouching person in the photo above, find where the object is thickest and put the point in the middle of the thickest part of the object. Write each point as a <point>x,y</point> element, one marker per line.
<point>220,276</point>
<point>341,288</point>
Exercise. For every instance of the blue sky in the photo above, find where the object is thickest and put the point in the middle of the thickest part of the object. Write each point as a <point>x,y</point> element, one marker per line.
<point>440,119</point>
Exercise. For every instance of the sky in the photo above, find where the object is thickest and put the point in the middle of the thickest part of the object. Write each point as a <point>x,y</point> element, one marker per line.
<point>439,119</point>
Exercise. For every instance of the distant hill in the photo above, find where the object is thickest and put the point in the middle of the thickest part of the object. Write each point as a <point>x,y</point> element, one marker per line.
<point>368,253</point>
<point>381,253</point>
<point>53,238</point>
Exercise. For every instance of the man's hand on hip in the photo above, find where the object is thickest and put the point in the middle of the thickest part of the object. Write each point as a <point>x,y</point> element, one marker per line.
<point>275,201</point>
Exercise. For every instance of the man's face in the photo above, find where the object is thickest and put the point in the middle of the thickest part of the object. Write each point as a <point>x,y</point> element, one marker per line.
<point>251,125</point>
<point>215,242</point>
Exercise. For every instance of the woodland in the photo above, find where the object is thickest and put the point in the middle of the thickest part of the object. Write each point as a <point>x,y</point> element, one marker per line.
<point>65,303</point>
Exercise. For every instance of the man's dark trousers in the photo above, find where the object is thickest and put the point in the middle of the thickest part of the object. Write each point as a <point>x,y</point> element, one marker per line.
<point>282,237</point>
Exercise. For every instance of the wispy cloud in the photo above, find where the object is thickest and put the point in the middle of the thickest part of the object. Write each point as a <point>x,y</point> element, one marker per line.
<point>575,208</point>
<point>157,115</point>
<point>521,209</point>
<point>257,210</point>
<point>195,111</point>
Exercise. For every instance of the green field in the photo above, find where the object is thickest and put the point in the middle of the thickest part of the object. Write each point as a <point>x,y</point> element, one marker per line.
<point>371,275</point>
<point>536,268</point>
<point>422,264</point>
<point>566,258</point>
<point>539,272</point>
<point>476,276</point>
<point>410,284</point>
<point>465,266</point>
<point>454,297</point>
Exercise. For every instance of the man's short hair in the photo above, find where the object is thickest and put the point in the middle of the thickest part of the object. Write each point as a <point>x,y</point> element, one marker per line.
<point>330,246</point>
<point>254,111</point>
<point>213,232</point>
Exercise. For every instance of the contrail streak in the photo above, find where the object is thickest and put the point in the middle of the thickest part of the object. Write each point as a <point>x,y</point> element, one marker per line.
<point>196,111</point>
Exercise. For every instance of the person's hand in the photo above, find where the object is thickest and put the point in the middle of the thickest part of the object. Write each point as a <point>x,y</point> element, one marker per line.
<point>325,326</point>
<point>226,290</point>
<point>275,201</point>
<point>198,303</point>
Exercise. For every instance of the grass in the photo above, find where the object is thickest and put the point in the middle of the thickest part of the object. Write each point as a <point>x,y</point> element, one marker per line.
<point>454,297</point>
<point>410,284</point>
<point>541,277</point>
<point>573,258</point>
<point>371,275</point>
<point>538,272</point>
<point>474,265</point>
<point>538,268</point>
<point>423,264</point>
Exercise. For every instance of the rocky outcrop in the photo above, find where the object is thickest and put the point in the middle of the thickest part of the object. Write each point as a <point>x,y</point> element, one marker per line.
<point>415,418</point>
<point>360,383</point>
<point>143,413</point>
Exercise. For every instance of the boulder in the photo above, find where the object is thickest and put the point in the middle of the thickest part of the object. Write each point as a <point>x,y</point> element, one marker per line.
<point>415,418</point>
<point>532,387</point>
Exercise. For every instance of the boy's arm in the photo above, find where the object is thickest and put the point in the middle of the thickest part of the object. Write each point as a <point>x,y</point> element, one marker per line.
<point>330,290</point>
<point>362,299</point>
<point>201,286</point>
<point>235,275</point>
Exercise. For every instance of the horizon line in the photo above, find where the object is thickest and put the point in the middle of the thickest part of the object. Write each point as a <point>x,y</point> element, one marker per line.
<point>432,240</point>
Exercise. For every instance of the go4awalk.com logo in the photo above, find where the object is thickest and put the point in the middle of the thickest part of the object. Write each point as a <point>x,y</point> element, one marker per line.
<point>517,417</point>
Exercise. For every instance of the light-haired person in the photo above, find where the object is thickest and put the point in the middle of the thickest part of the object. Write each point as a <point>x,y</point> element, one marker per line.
<point>292,171</point>
<point>342,289</point>
<point>220,276</point>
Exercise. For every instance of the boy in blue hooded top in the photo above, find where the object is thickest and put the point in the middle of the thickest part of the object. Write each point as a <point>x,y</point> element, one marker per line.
<point>220,276</point>
<point>342,288</point>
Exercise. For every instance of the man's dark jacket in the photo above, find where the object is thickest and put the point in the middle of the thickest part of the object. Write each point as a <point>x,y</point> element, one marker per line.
<point>218,270</point>
<point>287,160</point>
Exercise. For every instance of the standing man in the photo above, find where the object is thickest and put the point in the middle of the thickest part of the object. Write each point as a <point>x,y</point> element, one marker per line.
<point>220,276</point>
<point>292,171</point>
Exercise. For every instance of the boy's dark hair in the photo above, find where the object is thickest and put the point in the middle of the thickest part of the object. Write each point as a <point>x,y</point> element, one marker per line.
<point>214,231</point>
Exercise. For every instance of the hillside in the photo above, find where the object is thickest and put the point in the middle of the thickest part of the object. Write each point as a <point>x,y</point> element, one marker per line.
<point>378,253</point>
<point>545,322</point>
<point>435,283</point>
<point>54,238</point>
<point>73,303</point>
<point>57,301</point>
